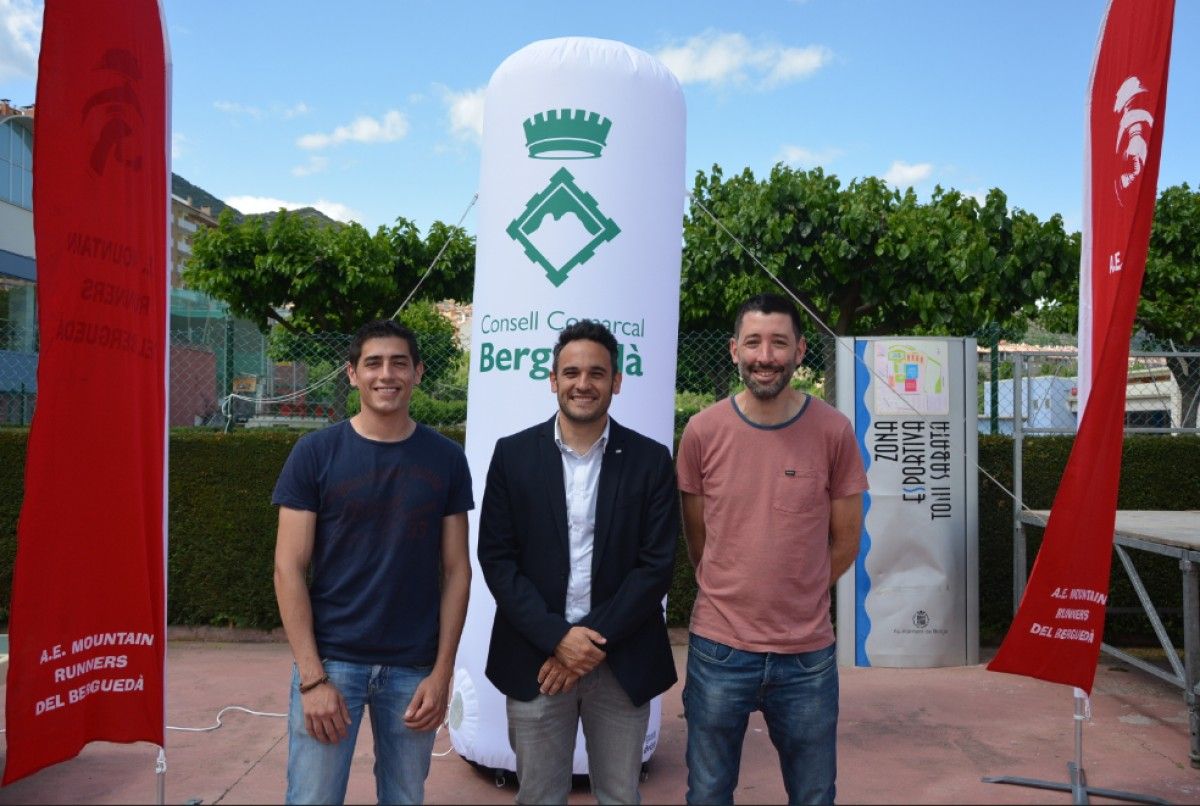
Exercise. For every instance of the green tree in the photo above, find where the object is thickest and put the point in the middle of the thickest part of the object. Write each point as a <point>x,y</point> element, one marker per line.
<point>294,274</point>
<point>454,275</point>
<point>313,279</point>
<point>866,258</point>
<point>1170,298</point>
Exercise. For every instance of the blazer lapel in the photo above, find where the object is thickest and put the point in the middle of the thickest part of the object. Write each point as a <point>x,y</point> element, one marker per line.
<point>606,496</point>
<point>549,462</point>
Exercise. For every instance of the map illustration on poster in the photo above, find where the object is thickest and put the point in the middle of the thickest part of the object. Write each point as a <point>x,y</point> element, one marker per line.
<point>915,378</point>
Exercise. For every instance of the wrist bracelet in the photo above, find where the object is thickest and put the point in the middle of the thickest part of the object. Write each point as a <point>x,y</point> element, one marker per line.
<point>307,687</point>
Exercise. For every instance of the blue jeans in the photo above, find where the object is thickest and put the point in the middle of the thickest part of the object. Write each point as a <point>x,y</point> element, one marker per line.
<point>798,695</point>
<point>318,772</point>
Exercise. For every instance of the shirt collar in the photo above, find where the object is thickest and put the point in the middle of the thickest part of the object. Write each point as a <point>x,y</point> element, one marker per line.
<point>562,446</point>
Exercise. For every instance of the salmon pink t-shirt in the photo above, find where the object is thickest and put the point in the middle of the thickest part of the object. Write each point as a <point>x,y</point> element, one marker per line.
<point>764,575</point>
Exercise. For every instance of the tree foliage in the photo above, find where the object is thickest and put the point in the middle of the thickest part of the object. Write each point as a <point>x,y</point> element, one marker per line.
<point>866,258</point>
<point>1170,301</point>
<point>1170,297</point>
<point>313,279</point>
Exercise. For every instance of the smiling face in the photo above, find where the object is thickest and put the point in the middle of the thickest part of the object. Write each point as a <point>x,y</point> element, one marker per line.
<point>385,376</point>
<point>584,381</point>
<point>767,352</point>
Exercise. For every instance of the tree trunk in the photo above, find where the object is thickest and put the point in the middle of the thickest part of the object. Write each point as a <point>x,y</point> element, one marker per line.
<point>341,390</point>
<point>1186,370</point>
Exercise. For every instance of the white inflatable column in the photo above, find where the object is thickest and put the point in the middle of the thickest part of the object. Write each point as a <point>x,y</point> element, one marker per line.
<point>581,204</point>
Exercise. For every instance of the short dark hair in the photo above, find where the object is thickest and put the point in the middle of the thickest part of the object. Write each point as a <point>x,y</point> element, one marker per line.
<point>590,330</point>
<point>383,329</point>
<point>769,303</point>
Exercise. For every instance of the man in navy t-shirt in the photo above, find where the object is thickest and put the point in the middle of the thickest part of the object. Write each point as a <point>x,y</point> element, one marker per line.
<point>376,508</point>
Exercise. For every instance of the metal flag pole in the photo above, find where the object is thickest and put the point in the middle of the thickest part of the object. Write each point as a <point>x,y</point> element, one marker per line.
<point>160,776</point>
<point>1077,785</point>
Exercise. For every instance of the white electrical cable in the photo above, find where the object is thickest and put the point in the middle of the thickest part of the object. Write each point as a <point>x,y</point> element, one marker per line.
<point>220,714</point>
<point>218,723</point>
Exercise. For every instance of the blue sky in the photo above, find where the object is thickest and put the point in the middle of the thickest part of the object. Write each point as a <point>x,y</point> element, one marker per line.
<point>371,110</point>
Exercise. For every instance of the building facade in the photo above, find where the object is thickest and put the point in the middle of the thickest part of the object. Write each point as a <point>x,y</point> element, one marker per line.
<point>18,265</point>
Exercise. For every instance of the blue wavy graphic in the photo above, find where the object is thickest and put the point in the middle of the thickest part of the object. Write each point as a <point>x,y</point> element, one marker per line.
<point>862,581</point>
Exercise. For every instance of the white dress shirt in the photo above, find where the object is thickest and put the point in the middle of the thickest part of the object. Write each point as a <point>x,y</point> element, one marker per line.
<point>581,479</point>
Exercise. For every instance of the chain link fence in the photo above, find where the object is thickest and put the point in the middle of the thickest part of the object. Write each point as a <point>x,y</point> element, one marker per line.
<point>18,374</point>
<point>225,374</point>
<point>1037,392</point>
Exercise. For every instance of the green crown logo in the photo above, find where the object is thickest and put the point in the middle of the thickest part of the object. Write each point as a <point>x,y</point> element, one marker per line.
<point>566,134</point>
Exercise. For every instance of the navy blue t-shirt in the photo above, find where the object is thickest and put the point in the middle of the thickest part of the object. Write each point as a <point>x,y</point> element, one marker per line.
<point>376,563</point>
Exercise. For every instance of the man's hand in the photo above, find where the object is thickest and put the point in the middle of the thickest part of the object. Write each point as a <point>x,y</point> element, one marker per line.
<point>428,706</point>
<point>326,716</point>
<point>578,650</point>
<point>554,678</point>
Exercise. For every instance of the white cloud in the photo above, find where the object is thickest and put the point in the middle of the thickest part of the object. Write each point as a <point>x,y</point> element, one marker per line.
<point>295,110</point>
<point>393,126</point>
<point>276,110</point>
<point>179,144</point>
<point>235,108</point>
<point>979,195</point>
<point>266,204</point>
<point>903,174</point>
<point>793,64</point>
<point>20,33</point>
<point>337,210</point>
<point>316,164</point>
<point>801,157</point>
<point>730,58</point>
<point>466,113</point>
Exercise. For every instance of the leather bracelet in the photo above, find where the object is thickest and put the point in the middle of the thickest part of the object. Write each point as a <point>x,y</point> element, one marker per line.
<point>307,687</point>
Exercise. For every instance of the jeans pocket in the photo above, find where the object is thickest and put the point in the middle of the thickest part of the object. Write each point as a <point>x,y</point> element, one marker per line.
<point>708,650</point>
<point>817,661</point>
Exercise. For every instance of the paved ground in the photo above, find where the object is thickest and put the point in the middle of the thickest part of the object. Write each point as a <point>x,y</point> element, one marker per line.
<point>906,736</point>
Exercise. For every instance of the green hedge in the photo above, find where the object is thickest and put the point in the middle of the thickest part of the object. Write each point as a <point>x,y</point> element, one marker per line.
<point>1157,472</point>
<point>223,525</point>
<point>12,486</point>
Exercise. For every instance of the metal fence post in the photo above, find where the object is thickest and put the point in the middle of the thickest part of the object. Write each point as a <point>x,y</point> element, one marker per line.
<point>995,386</point>
<point>1019,561</point>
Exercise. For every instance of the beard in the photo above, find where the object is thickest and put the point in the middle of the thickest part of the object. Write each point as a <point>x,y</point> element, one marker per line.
<point>771,390</point>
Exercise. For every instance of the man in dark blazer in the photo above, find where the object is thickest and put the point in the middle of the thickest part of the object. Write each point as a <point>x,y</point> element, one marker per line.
<point>577,543</point>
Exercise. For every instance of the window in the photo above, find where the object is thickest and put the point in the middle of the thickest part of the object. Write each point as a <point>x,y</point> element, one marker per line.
<point>16,162</point>
<point>18,315</point>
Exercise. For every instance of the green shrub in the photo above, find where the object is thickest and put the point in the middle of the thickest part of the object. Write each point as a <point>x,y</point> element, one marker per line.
<point>222,524</point>
<point>12,493</point>
<point>435,336</point>
<point>687,404</point>
<point>1157,473</point>
<point>425,409</point>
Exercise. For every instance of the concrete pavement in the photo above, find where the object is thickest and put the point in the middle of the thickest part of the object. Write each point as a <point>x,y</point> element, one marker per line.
<point>906,736</point>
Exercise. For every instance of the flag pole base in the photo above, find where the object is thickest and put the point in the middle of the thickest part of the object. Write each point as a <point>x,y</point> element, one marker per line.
<point>1077,787</point>
<point>160,777</point>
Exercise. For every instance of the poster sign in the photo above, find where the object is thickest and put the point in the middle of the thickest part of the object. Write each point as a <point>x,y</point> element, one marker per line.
<point>911,598</point>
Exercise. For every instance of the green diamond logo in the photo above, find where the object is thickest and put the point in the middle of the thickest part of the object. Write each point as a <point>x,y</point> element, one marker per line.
<point>561,243</point>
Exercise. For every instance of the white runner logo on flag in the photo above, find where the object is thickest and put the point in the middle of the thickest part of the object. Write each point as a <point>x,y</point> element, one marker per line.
<point>1132,134</point>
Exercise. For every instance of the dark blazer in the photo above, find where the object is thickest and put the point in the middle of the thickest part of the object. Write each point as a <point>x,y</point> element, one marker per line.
<point>523,551</point>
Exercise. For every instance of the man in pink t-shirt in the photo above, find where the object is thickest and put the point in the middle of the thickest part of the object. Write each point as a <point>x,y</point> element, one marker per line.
<point>772,482</point>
